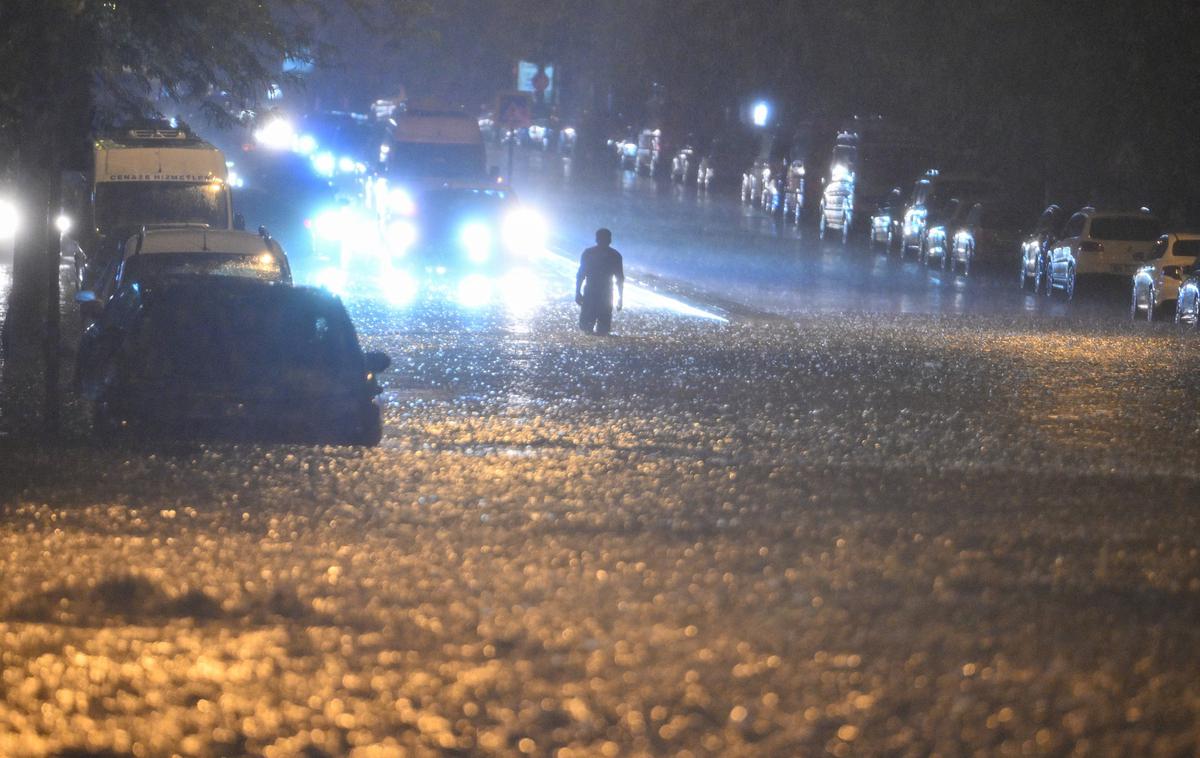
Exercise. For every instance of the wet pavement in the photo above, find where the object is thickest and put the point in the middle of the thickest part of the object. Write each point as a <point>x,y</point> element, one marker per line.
<point>811,499</point>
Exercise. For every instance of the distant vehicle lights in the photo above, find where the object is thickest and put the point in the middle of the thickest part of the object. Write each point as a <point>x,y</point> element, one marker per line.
<point>276,134</point>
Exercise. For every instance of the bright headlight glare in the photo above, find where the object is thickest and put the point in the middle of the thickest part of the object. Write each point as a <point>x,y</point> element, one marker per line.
<point>474,291</point>
<point>346,164</point>
<point>328,225</point>
<point>401,235</point>
<point>401,202</point>
<point>277,134</point>
<point>524,231</point>
<point>9,219</point>
<point>476,239</point>
<point>324,164</point>
<point>332,279</point>
<point>62,223</point>
<point>306,144</point>
<point>400,287</point>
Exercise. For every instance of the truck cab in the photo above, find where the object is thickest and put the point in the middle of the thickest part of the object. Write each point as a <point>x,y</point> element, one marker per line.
<point>143,178</point>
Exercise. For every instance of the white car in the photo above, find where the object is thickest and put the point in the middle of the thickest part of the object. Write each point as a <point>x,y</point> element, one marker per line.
<point>1100,243</point>
<point>1156,285</point>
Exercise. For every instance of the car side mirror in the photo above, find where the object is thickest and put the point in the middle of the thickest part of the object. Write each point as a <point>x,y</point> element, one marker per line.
<point>239,222</point>
<point>376,363</point>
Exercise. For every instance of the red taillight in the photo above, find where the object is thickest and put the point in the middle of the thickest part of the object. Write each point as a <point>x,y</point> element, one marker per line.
<point>1091,246</point>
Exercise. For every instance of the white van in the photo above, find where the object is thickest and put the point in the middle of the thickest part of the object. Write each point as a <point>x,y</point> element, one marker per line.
<point>145,178</point>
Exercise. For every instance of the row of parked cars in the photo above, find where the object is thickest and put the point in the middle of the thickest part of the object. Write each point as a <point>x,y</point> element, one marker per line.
<point>1064,249</point>
<point>957,221</point>
<point>196,331</point>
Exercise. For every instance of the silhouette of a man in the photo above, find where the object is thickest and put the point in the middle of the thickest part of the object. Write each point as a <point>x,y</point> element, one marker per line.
<point>599,266</point>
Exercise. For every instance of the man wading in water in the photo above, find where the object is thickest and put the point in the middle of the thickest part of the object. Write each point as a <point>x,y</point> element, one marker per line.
<point>598,267</point>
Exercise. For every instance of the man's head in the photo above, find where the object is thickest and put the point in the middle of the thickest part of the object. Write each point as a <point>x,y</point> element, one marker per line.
<point>603,237</point>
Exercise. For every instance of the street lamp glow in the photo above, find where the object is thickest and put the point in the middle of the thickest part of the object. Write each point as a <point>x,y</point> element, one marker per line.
<point>760,113</point>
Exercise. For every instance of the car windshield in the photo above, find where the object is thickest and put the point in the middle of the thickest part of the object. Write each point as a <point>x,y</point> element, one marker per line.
<point>1002,217</point>
<point>461,204</point>
<point>262,266</point>
<point>129,205</point>
<point>1125,228</point>
<point>215,338</point>
<point>452,161</point>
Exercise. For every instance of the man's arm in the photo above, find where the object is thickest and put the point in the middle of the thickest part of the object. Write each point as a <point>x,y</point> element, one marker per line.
<point>620,275</point>
<point>579,277</point>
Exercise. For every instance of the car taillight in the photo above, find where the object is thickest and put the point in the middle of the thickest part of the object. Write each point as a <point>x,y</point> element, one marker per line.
<point>1090,246</point>
<point>1175,272</point>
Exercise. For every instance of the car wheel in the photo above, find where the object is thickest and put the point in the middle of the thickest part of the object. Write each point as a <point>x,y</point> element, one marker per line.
<point>845,230</point>
<point>1151,306</point>
<point>1047,279</point>
<point>1069,290</point>
<point>1133,304</point>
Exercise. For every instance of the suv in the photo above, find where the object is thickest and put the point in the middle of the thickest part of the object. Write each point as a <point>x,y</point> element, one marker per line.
<point>1100,243</point>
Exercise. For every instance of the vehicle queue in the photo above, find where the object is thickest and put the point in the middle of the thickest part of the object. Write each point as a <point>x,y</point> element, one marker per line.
<point>853,178</point>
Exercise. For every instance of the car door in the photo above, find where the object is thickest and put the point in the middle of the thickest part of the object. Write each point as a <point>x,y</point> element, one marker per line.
<point>1062,254</point>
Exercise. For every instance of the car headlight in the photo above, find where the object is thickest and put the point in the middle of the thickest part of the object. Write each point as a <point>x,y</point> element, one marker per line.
<point>345,165</point>
<point>328,225</point>
<point>524,231</point>
<point>9,219</point>
<point>474,291</point>
<point>400,287</point>
<point>476,239</point>
<point>324,164</point>
<point>401,235</point>
<point>401,202</point>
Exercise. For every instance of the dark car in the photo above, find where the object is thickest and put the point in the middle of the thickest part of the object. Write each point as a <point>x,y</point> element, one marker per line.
<point>722,162</point>
<point>234,358</point>
<point>939,230</point>
<point>1035,247</point>
<point>990,234</point>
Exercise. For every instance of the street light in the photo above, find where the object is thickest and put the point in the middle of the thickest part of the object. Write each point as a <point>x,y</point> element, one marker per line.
<point>760,113</point>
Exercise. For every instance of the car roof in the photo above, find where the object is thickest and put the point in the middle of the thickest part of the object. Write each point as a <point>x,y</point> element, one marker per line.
<point>195,240</point>
<point>1134,213</point>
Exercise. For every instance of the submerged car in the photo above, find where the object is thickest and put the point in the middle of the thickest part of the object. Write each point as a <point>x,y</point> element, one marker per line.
<point>157,254</point>
<point>229,358</point>
<point>1157,284</point>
